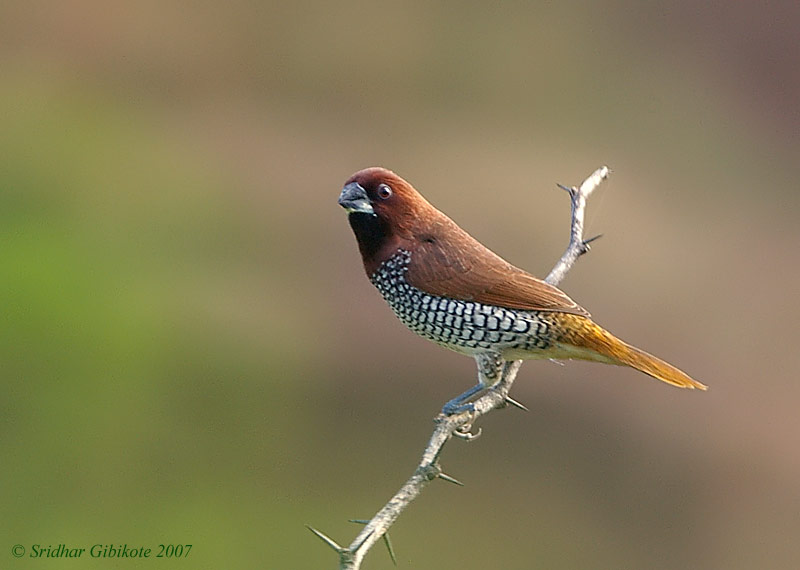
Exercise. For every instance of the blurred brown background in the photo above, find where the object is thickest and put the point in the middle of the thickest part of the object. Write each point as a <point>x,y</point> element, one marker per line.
<point>192,354</point>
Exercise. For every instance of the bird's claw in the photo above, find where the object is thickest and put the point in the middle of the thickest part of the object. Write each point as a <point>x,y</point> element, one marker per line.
<point>465,432</point>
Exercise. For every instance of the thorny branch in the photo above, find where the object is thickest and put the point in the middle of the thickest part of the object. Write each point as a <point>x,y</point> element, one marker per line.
<point>460,425</point>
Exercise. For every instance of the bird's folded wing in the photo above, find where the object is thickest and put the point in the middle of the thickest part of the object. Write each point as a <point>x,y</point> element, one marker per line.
<point>448,262</point>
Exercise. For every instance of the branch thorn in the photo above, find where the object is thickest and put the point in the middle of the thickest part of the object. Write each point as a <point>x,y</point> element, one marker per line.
<point>449,479</point>
<point>388,544</point>
<point>326,539</point>
<point>513,402</point>
<point>570,189</point>
<point>386,539</point>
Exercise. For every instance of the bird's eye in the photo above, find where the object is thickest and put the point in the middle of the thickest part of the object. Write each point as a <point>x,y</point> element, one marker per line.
<point>384,192</point>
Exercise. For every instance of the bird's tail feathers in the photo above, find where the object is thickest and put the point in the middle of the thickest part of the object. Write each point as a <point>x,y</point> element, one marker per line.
<point>615,351</point>
<point>657,368</point>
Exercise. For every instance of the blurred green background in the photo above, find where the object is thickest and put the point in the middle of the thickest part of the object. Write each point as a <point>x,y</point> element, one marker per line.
<point>191,352</point>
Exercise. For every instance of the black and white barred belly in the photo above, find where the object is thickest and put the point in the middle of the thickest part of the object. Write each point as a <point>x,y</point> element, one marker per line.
<point>464,326</point>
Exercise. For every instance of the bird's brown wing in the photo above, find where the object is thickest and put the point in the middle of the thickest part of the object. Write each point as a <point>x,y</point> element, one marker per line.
<point>448,262</point>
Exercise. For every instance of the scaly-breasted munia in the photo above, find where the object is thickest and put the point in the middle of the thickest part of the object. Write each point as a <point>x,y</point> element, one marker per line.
<point>447,287</point>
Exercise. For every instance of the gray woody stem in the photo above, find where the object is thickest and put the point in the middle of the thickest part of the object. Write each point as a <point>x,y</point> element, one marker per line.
<point>577,246</point>
<point>350,557</point>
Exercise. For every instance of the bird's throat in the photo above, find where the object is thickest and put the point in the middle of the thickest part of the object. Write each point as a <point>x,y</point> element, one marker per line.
<point>373,236</point>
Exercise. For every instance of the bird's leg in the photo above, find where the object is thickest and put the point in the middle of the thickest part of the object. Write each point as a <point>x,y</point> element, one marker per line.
<point>490,367</point>
<point>458,405</point>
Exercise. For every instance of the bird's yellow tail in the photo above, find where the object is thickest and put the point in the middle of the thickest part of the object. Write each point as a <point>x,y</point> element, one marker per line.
<point>589,335</point>
<point>657,368</point>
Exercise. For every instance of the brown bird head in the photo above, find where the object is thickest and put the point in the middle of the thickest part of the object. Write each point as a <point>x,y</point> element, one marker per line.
<point>387,214</point>
<point>384,211</point>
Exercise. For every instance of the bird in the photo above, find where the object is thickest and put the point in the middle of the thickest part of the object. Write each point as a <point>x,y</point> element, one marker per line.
<point>447,287</point>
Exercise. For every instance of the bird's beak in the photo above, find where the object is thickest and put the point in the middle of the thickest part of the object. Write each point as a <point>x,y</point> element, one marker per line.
<point>354,199</point>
